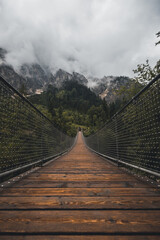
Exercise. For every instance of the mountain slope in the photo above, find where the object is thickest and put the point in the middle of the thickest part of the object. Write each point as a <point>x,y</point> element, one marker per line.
<point>35,79</point>
<point>11,76</point>
<point>107,87</point>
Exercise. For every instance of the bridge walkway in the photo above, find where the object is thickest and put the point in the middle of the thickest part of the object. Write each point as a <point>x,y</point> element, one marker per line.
<point>79,196</point>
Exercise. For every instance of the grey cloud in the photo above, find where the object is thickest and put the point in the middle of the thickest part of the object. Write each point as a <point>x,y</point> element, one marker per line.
<point>94,37</point>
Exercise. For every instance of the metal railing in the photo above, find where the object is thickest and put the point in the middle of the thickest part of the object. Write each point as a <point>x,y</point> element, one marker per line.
<point>132,137</point>
<point>27,137</point>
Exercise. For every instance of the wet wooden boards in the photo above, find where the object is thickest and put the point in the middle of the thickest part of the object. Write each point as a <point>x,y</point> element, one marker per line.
<point>79,196</point>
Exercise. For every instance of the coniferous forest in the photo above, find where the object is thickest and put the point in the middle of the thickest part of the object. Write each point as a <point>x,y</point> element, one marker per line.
<point>72,106</point>
<point>75,105</point>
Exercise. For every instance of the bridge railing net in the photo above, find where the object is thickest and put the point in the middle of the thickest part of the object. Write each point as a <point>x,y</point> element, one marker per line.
<point>132,137</point>
<point>26,135</point>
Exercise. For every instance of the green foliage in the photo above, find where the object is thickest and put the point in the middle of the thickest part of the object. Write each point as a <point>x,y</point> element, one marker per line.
<point>26,136</point>
<point>126,93</point>
<point>145,73</point>
<point>75,105</point>
<point>23,89</point>
<point>44,110</point>
<point>130,136</point>
<point>71,107</point>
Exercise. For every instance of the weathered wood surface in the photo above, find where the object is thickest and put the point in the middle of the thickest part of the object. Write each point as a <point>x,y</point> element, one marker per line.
<point>82,237</point>
<point>79,196</point>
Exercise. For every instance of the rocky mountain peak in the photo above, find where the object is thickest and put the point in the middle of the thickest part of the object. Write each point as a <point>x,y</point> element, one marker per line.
<point>80,78</point>
<point>61,73</point>
<point>108,86</point>
<point>36,79</point>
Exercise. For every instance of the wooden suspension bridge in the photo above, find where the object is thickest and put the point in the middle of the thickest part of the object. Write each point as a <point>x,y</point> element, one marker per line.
<point>79,196</point>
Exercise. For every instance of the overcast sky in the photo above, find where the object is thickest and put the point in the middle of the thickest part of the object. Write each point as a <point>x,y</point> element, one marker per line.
<point>93,37</point>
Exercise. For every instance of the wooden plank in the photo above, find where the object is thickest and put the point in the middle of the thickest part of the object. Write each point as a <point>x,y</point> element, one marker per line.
<point>97,184</point>
<point>78,196</point>
<point>108,192</point>
<point>80,221</point>
<point>80,177</point>
<point>79,203</point>
<point>73,237</point>
<point>77,172</point>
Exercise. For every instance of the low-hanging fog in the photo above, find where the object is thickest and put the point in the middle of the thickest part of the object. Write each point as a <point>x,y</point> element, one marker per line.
<point>92,37</point>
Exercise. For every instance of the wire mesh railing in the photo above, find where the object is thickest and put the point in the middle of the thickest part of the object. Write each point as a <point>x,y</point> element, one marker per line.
<point>132,137</point>
<point>26,135</point>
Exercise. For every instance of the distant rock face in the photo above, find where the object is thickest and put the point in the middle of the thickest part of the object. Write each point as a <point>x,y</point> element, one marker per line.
<point>101,84</point>
<point>31,76</point>
<point>60,77</point>
<point>79,78</point>
<point>36,79</point>
<point>11,76</point>
<point>107,87</point>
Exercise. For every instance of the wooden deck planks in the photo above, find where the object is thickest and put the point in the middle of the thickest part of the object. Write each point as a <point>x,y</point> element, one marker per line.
<point>107,192</point>
<point>84,221</point>
<point>80,203</point>
<point>79,196</point>
<point>70,237</point>
<point>79,184</point>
